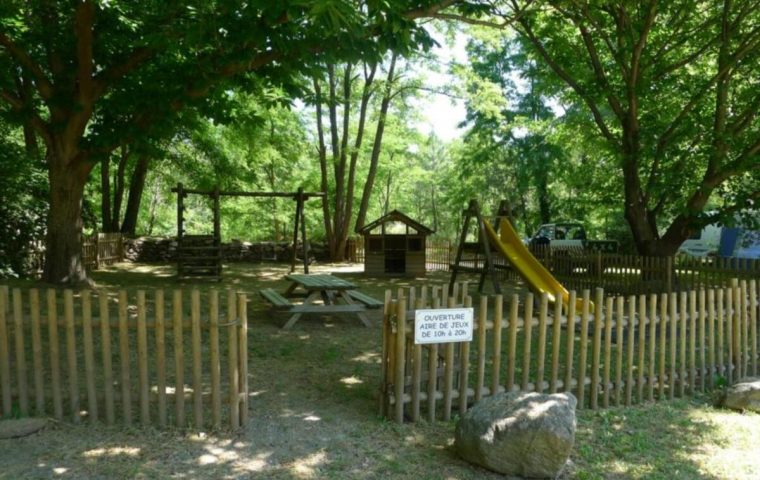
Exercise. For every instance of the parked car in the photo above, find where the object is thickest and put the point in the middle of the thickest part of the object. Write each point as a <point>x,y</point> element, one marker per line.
<point>570,236</point>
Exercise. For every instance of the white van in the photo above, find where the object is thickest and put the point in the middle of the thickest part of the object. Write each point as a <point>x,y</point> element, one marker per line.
<point>704,243</point>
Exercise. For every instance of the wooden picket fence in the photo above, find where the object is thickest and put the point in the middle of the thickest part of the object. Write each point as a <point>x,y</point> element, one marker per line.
<point>100,249</point>
<point>208,365</point>
<point>609,351</point>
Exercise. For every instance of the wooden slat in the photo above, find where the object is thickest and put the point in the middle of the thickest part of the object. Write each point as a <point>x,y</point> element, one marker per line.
<point>512,342</point>
<point>583,351</point>
<point>195,318</point>
<point>744,320</point>
<point>464,359</point>
<point>160,334</point>
<point>570,344</point>
<point>5,365</point>
<point>233,364</point>
<point>142,360</point>
<point>753,323</point>
<point>682,317</point>
<point>541,356</point>
<point>416,371</point>
<point>213,338</point>
<point>243,355</point>
<point>642,335</point>
<point>663,335</point>
<point>21,373</point>
<point>448,372</point>
<point>702,346</point>
<point>481,339</point>
<point>607,359</point>
<point>711,338</point>
<point>630,348</point>
<point>126,398</point>
<point>400,342</point>
<point>596,347</point>
<point>89,356</point>
<point>527,341</point>
<point>620,333</point>
<point>55,365</point>
<point>39,377</point>
<point>721,323</point>
<point>105,340</point>
<point>71,354</point>
<point>673,337</point>
<point>498,316</point>
<point>652,344</point>
<point>556,341</point>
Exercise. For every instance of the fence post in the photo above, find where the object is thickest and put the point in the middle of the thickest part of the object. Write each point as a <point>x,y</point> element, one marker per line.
<point>398,378</point>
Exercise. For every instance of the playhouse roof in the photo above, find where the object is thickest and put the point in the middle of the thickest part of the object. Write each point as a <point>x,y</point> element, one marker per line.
<point>395,216</point>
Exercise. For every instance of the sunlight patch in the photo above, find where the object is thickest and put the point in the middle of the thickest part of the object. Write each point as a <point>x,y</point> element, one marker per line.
<point>207,459</point>
<point>367,357</point>
<point>112,452</point>
<point>60,470</point>
<point>306,467</point>
<point>352,380</point>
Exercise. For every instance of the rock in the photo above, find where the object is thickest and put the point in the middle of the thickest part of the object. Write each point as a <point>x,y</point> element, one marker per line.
<point>21,427</point>
<point>525,434</point>
<point>744,395</point>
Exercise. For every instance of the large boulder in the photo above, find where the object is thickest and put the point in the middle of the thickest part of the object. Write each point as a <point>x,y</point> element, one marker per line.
<point>744,395</point>
<point>524,434</point>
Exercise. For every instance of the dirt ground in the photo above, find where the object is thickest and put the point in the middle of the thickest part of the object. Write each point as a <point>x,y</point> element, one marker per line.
<point>313,414</point>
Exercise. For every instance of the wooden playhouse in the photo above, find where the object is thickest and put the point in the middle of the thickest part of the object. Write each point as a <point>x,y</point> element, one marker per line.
<point>394,244</point>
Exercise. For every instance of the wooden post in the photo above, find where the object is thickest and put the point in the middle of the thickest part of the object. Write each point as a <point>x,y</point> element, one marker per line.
<point>126,401</point>
<point>682,344</point>
<point>583,350</point>
<point>596,349</point>
<point>105,340</point>
<point>233,364</point>
<point>71,354</point>
<point>160,357</point>
<point>652,345</point>
<point>541,360</point>
<point>398,375</point>
<point>464,365</point>
<point>416,371</point>
<point>242,311</point>
<point>89,356</point>
<point>663,329</point>
<point>179,360</point>
<point>180,226</point>
<point>753,322</point>
<point>711,337</point>
<point>216,398</point>
<point>702,346</point>
<point>527,341</point>
<point>142,360</point>
<point>498,315</point>
<point>607,351</point>
<point>5,366</point>
<point>195,317</point>
<point>481,368</point>
<point>511,342</point>
<point>55,366</point>
<point>620,329</point>
<point>570,344</point>
<point>630,344</point>
<point>448,372</point>
<point>640,365</point>
<point>39,378</point>
<point>721,325</point>
<point>21,374</point>
<point>692,340</point>
<point>432,367</point>
<point>556,341</point>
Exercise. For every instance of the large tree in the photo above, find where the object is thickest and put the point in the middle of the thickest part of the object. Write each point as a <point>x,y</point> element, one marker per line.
<point>672,89</point>
<point>141,61</point>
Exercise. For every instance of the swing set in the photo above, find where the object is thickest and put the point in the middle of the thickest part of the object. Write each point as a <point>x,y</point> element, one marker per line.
<point>201,255</point>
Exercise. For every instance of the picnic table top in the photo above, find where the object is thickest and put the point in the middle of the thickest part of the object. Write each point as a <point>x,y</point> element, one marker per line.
<point>321,282</point>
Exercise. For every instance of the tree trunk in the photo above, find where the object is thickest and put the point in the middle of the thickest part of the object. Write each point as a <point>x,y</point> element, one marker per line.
<point>136,187</point>
<point>63,256</point>
<point>118,193</point>
<point>105,193</point>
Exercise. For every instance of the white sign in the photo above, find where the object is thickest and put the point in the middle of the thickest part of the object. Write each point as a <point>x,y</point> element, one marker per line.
<point>443,325</point>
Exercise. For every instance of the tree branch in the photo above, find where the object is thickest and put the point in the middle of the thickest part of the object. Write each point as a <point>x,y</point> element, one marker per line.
<point>44,87</point>
<point>83,22</point>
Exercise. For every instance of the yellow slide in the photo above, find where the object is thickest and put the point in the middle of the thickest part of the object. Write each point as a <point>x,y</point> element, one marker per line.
<point>537,276</point>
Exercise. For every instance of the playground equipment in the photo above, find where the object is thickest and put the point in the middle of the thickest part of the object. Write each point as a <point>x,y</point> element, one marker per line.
<point>507,243</point>
<point>201,255</point>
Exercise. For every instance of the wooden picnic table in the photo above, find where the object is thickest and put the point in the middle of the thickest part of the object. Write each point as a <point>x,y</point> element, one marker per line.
<point>335,294</point>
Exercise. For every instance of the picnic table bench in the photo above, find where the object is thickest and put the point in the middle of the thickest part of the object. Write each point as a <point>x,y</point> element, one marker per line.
<point>336,295</point>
